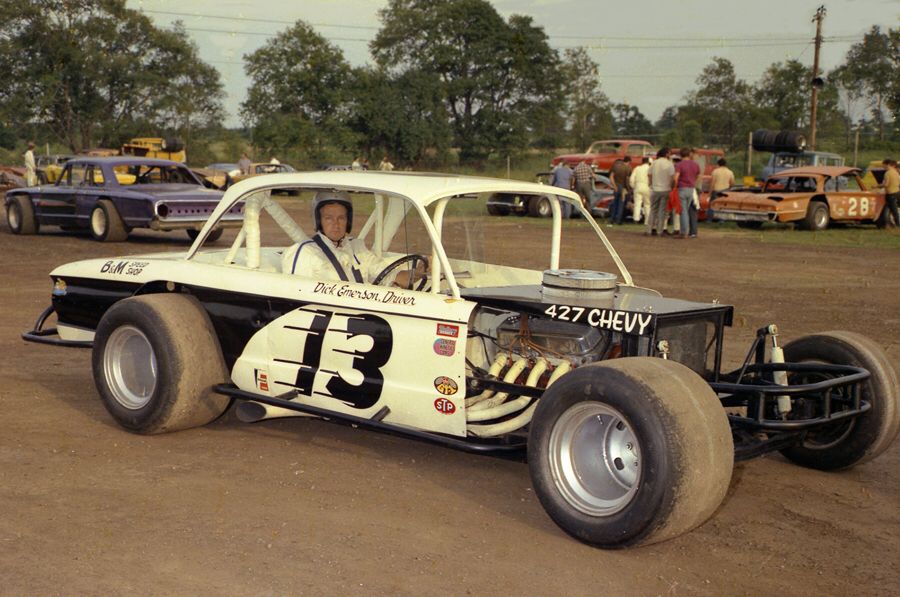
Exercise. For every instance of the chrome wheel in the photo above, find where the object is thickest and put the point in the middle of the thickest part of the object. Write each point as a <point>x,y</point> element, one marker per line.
<point>98,222</point>
<point>129,365</point>
<point>595,459</point>
<point>14,217</point>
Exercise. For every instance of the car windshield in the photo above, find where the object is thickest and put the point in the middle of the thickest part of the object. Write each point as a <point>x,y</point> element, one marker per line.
<point>392,227</point>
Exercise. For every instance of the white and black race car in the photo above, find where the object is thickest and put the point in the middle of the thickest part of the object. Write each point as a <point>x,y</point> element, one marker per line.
<point>616,394</point>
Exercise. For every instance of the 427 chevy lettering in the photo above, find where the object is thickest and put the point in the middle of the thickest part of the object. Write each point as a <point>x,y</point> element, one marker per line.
<point>609,319</point>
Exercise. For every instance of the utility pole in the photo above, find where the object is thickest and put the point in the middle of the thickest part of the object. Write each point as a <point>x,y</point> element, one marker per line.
<point>815,82</point>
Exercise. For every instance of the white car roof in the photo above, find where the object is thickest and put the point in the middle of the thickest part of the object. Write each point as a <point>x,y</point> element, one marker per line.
<point>420,188</point>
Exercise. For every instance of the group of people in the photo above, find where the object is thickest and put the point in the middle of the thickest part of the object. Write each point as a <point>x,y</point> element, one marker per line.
<point>651,186</point>
<point>362,163</point>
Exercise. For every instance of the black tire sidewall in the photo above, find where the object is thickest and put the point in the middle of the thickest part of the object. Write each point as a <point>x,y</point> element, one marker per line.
<point>129,312</point>
<point>654,499</point>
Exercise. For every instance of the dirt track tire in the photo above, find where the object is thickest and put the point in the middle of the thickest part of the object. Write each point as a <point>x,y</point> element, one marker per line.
<point>494,210</point>
<point>539,207</point>
<point>629,452</point>
<point>750,225</point>
<point>845,444</point>
<point>155,360</point>
<point>774,141</point>
<point>817,217</point>
<point>210,238</point>
<point>20,216</point>
<point>106,224</point>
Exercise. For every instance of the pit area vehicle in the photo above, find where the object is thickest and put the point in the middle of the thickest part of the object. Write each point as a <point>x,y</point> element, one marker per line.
<point>616,395</point>
<point>812,198</point>
<point>110,196</point>
<point>602,154</point>
<point>539,206</point>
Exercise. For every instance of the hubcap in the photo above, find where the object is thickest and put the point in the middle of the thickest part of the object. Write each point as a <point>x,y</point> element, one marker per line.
<point>595,459</point>
<point>129,365</point>
<point>98,222</point>
<point>14,217</point>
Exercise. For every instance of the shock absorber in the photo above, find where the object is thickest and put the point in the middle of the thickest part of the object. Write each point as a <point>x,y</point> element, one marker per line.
<point>776,355</point>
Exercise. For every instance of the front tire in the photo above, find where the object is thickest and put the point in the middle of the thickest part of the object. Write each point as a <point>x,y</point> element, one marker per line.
<point>540,207</point>
<point>631,451</point>
<point>848,443</point>
<point>20,215</point>
<point>106,223</point>
<point>155,359</point>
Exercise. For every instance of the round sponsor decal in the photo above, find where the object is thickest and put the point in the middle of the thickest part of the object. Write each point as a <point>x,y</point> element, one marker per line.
<point>445,347</point>
<point>444,406</point>
<point>445,385</point>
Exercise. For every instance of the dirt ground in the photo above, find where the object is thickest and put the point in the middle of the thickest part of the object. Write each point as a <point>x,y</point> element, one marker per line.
<point>297,506</point>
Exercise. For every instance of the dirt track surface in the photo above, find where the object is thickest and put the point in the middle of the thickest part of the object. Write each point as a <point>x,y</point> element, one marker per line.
<point>302,506</point>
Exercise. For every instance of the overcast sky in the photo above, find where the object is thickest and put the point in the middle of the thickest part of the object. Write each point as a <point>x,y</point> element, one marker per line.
<point>649,51</point>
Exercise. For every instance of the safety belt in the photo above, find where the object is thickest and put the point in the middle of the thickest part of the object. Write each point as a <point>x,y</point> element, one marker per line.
<point>334,261</point>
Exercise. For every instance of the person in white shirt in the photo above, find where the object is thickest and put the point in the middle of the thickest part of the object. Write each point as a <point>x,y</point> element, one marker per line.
<point>662,176</point>
<point>332,254</point>
<point>30,167</point>
<point>385,165</point>
<point>640,185</point>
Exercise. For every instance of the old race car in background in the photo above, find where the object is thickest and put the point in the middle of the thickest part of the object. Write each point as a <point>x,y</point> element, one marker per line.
<point>811,197</point>
<point>602,154</point>
<point>618,394</point>
<point>110,196</point>
<point>540,206</point>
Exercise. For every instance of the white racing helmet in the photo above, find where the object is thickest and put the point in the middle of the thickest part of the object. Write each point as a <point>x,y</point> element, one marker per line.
<point>323,198</point>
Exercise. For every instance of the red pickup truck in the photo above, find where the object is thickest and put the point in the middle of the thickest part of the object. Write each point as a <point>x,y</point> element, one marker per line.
<point>602,154</point>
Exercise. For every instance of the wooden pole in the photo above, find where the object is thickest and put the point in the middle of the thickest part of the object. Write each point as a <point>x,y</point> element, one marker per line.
<point>749,153</point>
<point>856,148</point>
<point>820,15</point>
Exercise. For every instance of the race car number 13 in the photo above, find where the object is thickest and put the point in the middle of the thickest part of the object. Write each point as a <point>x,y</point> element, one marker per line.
<point>365,363</point>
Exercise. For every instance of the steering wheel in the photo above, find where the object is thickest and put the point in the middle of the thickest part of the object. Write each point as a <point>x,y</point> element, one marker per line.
<point>413,260</point>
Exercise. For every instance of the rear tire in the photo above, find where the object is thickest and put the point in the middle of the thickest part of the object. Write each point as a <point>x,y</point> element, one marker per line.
<point>20,215</point>
<point>845,444</point>
<point>630,451</point>
<point>106,224</point>
<point>817,217</point>
<point>155,360</point>
<point>539,207</point>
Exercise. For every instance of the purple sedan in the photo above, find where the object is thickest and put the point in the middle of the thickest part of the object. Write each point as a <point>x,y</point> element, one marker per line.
<point>112,195</point>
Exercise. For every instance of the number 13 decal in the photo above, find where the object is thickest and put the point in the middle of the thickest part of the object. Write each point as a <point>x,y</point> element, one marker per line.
<point>357,345</point>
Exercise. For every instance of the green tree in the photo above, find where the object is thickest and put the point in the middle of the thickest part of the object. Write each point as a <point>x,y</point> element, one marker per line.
<point>872,71</point>
<point>495,76</point>
<point>94,71</point>
<point>587,109</point>
<point>403,117</point>
<point>630,121</point>
<point>298,96</point>
<point>784,89</point>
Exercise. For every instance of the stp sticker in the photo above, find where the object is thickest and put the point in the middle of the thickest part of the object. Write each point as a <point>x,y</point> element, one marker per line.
<point>446,329</point>
<point>262,380</point>
<point>445,385</point>
<point>445,348</point>
<point>444,406</point>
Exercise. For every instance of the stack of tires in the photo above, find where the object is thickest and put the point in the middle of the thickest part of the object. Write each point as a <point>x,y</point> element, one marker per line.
<point>774,141</point>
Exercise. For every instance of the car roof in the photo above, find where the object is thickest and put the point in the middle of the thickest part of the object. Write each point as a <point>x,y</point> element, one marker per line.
<point>816,171</point>
<point>123,160</point>
<point>623,141</point>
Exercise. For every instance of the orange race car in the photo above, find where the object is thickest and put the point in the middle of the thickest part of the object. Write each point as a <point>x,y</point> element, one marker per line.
<point>811,197</point>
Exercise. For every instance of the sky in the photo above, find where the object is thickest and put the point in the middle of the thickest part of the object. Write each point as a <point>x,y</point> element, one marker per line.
<point>650,52</point>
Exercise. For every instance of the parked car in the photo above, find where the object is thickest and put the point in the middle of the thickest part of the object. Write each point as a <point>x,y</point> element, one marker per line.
<point>49,166</point>
<point>784,160</point>
<point>110,196</point>
<point>811,197</point>
<point>602,154</point>
<point>263,168</point>
<point>539,206</point>
<point>618,395</point>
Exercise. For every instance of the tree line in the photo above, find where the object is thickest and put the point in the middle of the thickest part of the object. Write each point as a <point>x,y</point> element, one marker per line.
<point>444,74</point>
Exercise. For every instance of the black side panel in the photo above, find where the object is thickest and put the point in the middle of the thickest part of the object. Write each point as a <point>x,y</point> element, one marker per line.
<point>86,300</point>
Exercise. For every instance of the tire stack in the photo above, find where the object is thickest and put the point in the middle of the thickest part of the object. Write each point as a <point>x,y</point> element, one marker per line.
<point>768,140</point>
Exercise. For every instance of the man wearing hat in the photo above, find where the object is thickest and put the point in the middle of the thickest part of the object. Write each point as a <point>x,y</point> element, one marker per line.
<point>30,167</point>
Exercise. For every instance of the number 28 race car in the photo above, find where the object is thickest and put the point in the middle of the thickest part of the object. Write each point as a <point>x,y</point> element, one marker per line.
<point>616,394</point>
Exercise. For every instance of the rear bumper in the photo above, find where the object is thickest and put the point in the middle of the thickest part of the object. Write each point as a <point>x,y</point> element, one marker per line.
<point>733,215</point>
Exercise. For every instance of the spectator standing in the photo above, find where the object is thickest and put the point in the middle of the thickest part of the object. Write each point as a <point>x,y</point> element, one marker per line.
<point>30,167</point>
<point>687,171</point>
<point>662,173</point>
<point>891,189</point>
<point>620,175</point>
<point>357,164</point>
<point>563,177</point>
<point>274,160</point>
<point>244,164</point>
<point>385,165</point>
<point>640,188</point>
<point>722,179</point>
<point>584,182</point>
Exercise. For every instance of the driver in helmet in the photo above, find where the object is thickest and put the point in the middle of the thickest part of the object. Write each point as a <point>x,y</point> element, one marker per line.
<point>332,254</point>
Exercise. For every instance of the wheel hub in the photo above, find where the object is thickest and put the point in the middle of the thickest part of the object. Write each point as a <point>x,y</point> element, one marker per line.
<point>130,368</point>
